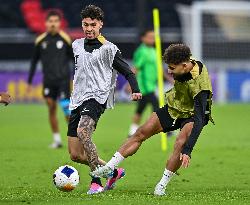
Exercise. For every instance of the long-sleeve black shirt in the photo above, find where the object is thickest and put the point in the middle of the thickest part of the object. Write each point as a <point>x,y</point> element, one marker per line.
<point>118,64</point>
<point>200,116</point>
<point>200,119</point>
<point>55,53</point>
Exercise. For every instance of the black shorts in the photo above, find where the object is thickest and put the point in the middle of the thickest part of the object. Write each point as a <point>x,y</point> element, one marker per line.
<point>149,98</point>
<point>90,108</point>
<point>168,123</point>
<point>58,90</point>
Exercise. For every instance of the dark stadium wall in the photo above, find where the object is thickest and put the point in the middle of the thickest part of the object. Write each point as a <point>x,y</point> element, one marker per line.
<point>9,51</point>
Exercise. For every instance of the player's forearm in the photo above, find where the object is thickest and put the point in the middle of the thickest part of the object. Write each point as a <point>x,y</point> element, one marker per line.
<point>123,68</point>
<point>31,73</point>
<point>32,69</point>
<point>133,83</point>
<point>200,103</point>
<point>197,128</point>
<point>33,64</point>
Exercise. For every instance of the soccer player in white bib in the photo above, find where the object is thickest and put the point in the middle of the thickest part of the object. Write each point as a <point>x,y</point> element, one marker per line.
<point>97,62</point>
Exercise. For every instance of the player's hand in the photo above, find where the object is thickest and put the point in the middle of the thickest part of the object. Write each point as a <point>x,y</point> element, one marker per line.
<point>29,88</point>
<point>185,160</point>
<point>136,96</point>
<point>5,98</point>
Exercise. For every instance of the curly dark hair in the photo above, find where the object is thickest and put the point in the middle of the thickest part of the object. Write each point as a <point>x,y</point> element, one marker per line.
<point>177,53</point>
<point>93,12</point>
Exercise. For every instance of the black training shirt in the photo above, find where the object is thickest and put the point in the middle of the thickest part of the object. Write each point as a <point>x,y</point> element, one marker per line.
<point>55,53</point>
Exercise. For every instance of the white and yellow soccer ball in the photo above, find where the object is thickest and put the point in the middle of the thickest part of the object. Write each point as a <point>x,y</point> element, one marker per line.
<point>66,178</point>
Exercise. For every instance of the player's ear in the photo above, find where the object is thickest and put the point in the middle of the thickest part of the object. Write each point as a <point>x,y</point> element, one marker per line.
<point>101,24</point>
<point>184,66</point>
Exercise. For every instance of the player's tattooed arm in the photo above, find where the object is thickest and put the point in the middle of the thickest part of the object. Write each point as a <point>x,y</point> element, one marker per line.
<point>85,129</point>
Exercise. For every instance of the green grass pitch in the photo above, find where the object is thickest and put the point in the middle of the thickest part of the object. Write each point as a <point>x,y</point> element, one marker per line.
<point>219,171</point>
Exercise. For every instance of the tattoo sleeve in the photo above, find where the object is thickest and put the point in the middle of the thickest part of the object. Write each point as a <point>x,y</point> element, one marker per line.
<point>85,129</point>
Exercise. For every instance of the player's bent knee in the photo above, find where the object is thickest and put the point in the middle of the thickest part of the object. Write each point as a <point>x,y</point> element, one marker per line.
<point>186,130</point>
<point>189,128</point>
<point>140,135</point>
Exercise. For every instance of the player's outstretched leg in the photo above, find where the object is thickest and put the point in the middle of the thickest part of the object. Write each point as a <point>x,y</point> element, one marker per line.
<point>174,162</point>
<point>130,147</point>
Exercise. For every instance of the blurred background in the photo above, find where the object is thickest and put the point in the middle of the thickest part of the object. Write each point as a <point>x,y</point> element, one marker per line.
<point>217,32</point>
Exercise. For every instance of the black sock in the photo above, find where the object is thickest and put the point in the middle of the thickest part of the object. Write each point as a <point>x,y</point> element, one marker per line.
<point>96,180</point>
<point>115,173</point>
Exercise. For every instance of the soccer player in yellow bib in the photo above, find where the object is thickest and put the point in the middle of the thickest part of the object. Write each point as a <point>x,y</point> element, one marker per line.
<point>188,108</point>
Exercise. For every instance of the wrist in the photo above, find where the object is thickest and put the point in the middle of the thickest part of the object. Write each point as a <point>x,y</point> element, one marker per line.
<point>186,152</point>
<point>135,91</point>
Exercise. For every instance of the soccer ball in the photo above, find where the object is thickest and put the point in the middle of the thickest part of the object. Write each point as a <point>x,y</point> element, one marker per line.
<point>66,178</point>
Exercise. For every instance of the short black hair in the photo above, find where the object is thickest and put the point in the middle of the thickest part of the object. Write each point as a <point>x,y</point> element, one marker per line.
<point>145,31</point>
<point>177,53</point>
<point>53,13</point>
<point>93,12</point>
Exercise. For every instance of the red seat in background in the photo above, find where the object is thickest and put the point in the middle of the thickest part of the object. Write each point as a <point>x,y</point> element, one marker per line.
<point>34,15</point>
